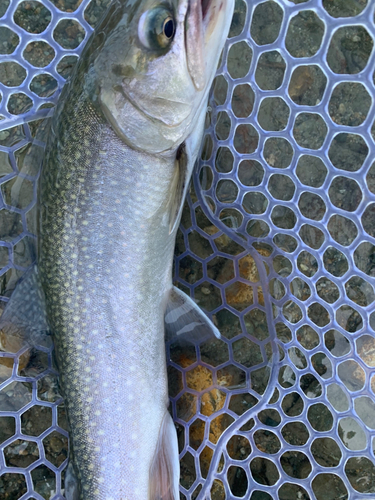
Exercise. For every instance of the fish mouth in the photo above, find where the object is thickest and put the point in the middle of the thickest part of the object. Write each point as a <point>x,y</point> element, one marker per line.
<point>201,18</point>
<point>205,5</point>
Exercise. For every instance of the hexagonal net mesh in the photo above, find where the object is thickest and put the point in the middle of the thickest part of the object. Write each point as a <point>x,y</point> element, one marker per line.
<point>276,244</point>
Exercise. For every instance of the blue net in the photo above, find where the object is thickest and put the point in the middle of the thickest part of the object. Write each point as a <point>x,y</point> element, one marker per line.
<point>276,244</point>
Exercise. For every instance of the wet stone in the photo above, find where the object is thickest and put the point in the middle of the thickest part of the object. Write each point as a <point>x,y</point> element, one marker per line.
<point>32,16</point>
<point>361,474</point>
<point>21,453</point>
<point>337,397</point>
<point>48,389</point>
<point>295,464</point>
<point>8,40</point>
<point>370,178</point>
<point>238,447</point>
<point>345,193</point>
<point>269,417</point>
<point>240,403</point>
<point>15,395</point>
<point>13,484</point>
<point>307,264</point>
<point>349,50</point>
<point>282,265</point>
<point>264,471</point>
<point>43,85</point>
<point>352,434</point>
<point>349,104</point>
<point>310,130</point>
<point>273,114</point>
<point>246,139</point>
<point>278,152</point>
<point>4,256</point>
<point>239,59</point>
<point>368,220</point>
<point>311,171</point>
<point>39,54</point>
<point>4,4</point>
<point>340,8</point>
<point>295,433</point>
<point>348,151</point>
<point>56,448</point>
<point>255,203</point>
<point>352,375</point>
<point>266,23</point>
<point>283,217</point>
<point>328,487</point>
<point>307,337</point>
<point>220,89</point>
<point>365,409</point>
<point>327,290</point>
<point>359,291</point>
<point>7,428</point>
<point>335,262</point>
<point>349,319</point>
<point>270,70</point>
<point>239,18</point>
<point>320,417</point>
<point>288,491</point>
<point>366,349</point>
<point>312,206</point>
<point>237,480</point>
<point>12,74</point>
<point>281,187</point>
<point>266,441</point>
<point>44,481</point>
<point>19,103</point>
<point>283,333</point>
<point>336,343</point>
<point>307,85</point>
<point>305,33</point>
<point>69,34</point>
<point>224,160</point>
<point>223,124</point>
<point>318,314</point>
<point>322,365</point>
<point>242,100</point>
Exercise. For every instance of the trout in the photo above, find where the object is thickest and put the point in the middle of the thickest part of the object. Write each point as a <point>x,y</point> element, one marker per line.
<point>123,142</point>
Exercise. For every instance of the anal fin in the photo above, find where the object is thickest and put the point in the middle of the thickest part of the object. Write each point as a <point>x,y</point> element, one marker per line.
<point>165,469</point>
<point>186,321</point>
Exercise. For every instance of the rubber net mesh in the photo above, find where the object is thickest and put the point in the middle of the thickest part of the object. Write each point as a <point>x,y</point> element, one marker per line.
<point>276,244</point>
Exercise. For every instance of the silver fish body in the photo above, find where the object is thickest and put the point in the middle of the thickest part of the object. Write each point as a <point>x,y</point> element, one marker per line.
<point>124,139</point>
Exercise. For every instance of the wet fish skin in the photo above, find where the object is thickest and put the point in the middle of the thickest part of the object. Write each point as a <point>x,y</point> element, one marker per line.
<point>111,190</point>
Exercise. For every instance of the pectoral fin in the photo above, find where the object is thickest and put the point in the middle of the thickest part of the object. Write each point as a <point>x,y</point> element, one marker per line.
<point>71,483</point>
<point>165,469</point>
<point>179,187</point>
<point>186,321</point>
<point>24,320</point>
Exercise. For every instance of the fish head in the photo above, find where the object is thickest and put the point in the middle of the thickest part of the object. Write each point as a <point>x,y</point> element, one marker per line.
<point>155,67</point>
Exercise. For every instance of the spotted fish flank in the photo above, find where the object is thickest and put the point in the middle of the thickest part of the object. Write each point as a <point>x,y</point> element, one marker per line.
<point>123,141</point>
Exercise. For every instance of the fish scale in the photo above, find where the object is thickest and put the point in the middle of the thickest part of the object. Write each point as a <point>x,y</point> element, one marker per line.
<point>90,313</point>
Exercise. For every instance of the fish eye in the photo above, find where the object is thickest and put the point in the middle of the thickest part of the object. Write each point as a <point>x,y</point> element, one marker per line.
<point>156,28</point>
<point>168,28</point>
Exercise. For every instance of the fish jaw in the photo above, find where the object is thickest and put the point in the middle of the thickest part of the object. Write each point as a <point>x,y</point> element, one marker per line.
<point>161,92</point>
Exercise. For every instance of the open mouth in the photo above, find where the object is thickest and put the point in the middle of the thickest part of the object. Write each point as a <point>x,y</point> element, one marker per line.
<point>204,6</point>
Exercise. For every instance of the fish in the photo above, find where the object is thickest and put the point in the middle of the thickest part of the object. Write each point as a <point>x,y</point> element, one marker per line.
<point>120,152</point>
